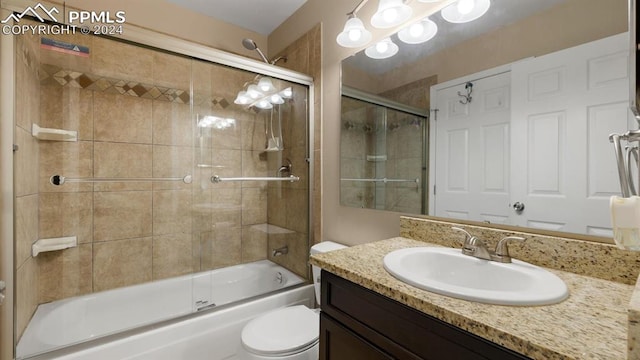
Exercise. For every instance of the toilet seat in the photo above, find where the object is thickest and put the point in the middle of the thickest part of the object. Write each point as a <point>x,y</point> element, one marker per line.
<point>282,332</point>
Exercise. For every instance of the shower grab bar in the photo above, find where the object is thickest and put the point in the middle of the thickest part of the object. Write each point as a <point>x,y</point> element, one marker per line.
<point>217,179</point>
<point>385,180</point>
<point>58,180</point>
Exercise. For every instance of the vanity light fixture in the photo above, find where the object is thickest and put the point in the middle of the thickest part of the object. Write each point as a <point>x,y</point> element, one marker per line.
<point>265,85</point>
<point>354,33</point>
<point>391,13</point>
<point>464,11</point>
<point>383,49</point>
<point>418,32</point>
<point>242,98</point>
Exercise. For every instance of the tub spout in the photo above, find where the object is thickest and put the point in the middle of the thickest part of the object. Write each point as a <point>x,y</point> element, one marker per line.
<point>280,251</point>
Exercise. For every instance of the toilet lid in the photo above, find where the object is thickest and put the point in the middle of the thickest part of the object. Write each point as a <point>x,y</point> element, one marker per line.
<point>284,331</point>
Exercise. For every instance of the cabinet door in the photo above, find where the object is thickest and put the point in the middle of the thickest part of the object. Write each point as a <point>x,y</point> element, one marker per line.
<point>337,342</point>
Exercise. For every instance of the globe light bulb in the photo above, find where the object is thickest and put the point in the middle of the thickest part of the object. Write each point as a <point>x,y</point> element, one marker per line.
<point>382,47</point>
<point>355,34</point>
<point>416,29</point>
<point>465,6</point>
<point>390,15</point>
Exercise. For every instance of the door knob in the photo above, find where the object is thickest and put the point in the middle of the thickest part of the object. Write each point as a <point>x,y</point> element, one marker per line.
<point>518,207</point>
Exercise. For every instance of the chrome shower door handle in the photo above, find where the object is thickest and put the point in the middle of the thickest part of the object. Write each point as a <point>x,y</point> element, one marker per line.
<point>518,207</point>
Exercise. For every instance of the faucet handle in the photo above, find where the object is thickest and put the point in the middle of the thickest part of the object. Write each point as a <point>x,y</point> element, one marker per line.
<point>502,249</point>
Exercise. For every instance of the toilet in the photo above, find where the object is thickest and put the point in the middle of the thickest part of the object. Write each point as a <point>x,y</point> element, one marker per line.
<point>290,333</point>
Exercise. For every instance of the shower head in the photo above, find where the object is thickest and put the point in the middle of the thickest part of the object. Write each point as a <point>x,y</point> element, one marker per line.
<point>251,45</point>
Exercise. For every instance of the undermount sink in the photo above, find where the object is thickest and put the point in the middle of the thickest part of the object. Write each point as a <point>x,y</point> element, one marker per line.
<point>448,272</point>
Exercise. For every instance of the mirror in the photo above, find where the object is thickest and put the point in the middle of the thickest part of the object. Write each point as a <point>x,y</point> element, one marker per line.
<point>403,151</point>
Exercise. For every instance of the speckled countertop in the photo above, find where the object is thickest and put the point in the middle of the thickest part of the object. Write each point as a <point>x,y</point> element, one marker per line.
<point>590,324</point>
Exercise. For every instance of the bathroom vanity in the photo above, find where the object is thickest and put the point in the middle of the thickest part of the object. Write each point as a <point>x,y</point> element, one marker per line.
<point>357,323</point>
<point>369,314</point>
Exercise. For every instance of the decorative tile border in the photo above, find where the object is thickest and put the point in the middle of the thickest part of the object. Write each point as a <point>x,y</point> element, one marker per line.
<point>55,75</point>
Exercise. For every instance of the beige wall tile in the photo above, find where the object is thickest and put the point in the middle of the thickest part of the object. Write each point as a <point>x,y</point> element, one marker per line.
<point>229,137</point>
<point>172,255</point>
<point>67,108</point>
<point>226,208</point>
<point>254,244</point>
<point>201,72</point>
<point>172,212</point>
<point>254,163</point>
<point>122,61</point>
<point>172,162</point>
<point>26,230</point>
<point>26,294</point>
<point>26,163</point>
<point>226,249</point>
<point>123,160</point>
<point>122,263</point>
<point>253,134</point>
<point>65,273</point>
<point>68,159</point>
<point>276,206</point>
<point>122,118</point>
<point>66,214</point>
<point>296,259</point>
<point>171,71</point>
<point>27,109</point>
<point>122,215</point>
<point>172,124</point>
<point>297,210</point>
<point>254,206</point>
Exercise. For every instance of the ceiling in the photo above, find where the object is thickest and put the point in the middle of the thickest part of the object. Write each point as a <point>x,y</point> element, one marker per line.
<point>501,13</point>
<point>261,16</point>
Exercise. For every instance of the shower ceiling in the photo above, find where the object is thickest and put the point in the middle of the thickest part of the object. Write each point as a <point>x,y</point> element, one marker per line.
<point>261,16</point>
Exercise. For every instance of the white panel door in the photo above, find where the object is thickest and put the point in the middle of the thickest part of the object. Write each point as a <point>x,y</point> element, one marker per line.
<point>472,151</point>
<point>565,105</point>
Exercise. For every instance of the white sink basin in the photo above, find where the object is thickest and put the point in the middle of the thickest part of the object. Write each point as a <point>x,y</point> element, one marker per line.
<point>449,272</point>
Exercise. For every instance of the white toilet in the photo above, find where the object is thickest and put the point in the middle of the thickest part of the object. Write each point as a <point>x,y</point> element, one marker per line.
<point>290,333</point>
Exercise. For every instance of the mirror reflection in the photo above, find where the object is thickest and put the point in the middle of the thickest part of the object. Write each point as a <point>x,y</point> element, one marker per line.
<point>504,119</point>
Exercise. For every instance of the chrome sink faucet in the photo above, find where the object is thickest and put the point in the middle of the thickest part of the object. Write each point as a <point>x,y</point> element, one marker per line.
<point>475,247</point>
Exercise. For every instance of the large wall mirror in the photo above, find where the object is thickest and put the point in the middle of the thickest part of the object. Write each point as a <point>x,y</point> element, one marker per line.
<point>503,120</point>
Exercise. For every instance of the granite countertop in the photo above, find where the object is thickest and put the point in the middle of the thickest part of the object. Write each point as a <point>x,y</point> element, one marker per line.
<point>590,324</point>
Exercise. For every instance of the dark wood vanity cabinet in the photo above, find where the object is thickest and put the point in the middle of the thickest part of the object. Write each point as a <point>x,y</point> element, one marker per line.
<point>357,323</point>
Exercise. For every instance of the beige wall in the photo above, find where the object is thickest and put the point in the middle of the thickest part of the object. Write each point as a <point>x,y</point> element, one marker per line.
<point>354,226</point>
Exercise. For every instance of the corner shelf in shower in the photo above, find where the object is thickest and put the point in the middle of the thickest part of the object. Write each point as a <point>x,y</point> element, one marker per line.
<point>41,133</point>
<point>53,244</point>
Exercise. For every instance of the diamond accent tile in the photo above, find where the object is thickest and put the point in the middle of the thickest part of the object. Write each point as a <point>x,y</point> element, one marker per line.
<point>54,75</point>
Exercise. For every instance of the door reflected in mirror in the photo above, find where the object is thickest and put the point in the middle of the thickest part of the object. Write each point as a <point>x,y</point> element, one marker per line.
<point>514,125</point>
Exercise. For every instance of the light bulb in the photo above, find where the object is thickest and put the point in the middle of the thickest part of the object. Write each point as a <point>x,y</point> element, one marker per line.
<point>382,47</point>
<point>242,98</point>
<point>355,34</point>
<point>265,85</point>
<point>287,93</point>
<point>390,15</point>
<point>465,6</point>
<point>253,92</point>
<point>416,29</point>
<point>276,99</point>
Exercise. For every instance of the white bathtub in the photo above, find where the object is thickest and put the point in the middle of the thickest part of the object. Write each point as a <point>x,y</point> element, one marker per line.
<point>75,320</point>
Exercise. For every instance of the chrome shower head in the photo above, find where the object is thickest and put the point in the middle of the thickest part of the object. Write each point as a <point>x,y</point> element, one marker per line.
<point>251,45</point>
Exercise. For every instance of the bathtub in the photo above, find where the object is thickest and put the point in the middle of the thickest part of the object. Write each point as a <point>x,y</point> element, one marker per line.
<point>71,321</point>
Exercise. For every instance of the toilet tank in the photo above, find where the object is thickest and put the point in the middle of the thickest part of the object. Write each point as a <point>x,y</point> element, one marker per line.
<point>319,248</point>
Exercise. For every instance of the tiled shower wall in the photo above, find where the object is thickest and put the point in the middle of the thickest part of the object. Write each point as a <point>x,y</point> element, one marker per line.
<point>130,106</point>
<point>26,168</point>
<point>305,56</point>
